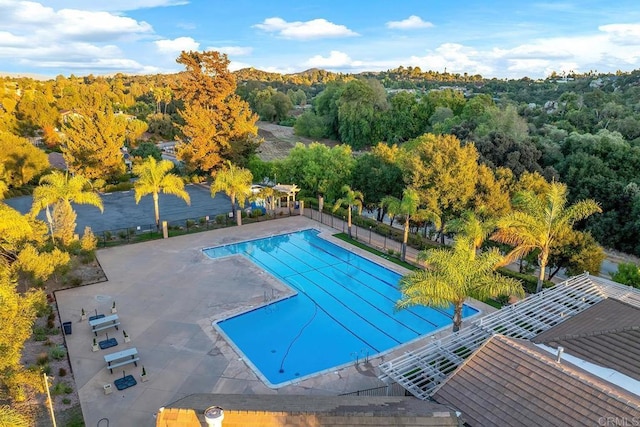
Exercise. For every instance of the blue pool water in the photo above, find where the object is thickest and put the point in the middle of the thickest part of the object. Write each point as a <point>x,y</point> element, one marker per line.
<point>344,309</point>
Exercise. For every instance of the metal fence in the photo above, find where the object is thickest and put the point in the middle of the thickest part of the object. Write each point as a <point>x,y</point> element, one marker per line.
<point>385,240</point>
<point>141,233</point>
<point>393,389</point>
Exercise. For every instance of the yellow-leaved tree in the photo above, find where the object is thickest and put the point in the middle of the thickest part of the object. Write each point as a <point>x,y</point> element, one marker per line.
<point>23,255</point>
<point>217,123</point>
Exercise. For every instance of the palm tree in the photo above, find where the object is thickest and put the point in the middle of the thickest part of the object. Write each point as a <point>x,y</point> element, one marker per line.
<point>154,178</point>
<point>269,195</point>
<point>539,222</point>
<point>60,190</point>
<point>351,198</point>
<point>235,182</point>
<point>408,208</point>
<point>472,227</point>
<point>452,275</point>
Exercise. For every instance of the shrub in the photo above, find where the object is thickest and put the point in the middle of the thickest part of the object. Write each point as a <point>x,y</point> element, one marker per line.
<point>66,401</point>
<point>529,283</point>
<point>60,388</point>
<point>190,223</point>
<point>57,353</point>
<point>11,417</point>
<point>42,308</point>
<point>39,333</point>
<point>123,234</point>
<point>75,281</point>
<point>62,372</point>
<point>221,219</point>
<point>89,241</point>
<point>42,359</point>
<point>51,323</point>
<point>46,369</point>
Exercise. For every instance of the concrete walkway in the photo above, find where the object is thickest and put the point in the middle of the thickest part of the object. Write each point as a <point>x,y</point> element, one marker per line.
<point>167,295</point>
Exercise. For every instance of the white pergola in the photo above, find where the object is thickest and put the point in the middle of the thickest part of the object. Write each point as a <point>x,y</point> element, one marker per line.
<point>288,190</point>
<point>421,371</point>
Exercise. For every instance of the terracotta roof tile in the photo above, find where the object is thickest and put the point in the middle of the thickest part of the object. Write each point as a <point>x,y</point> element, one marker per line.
<point>513,382</point>
<point>607,334</point>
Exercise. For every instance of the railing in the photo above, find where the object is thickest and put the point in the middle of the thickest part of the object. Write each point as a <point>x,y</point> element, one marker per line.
<point>394,389</point>
<point>142,233</point>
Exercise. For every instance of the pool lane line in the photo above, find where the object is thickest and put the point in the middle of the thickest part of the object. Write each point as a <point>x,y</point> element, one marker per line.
<point>384,282</point>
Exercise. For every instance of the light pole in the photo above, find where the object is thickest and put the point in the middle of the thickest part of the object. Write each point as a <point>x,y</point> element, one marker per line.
<point>369,234</point>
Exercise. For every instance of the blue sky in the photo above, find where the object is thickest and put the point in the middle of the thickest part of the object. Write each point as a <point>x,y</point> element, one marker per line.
<point>505,39</point>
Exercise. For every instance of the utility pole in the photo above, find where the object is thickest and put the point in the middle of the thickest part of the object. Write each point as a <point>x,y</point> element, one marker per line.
<point>46,386</point>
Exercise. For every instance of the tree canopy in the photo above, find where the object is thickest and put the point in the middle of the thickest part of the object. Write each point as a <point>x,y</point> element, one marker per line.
<point>214,117</point>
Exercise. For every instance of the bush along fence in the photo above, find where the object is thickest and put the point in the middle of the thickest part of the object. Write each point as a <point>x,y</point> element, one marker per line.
<point>141,233</point>
<point>378,235</point>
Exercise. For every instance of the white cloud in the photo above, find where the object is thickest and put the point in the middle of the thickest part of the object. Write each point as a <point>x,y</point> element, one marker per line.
<point>113,5</point>
<point>314,29</point>
<point>622,33</point>
<point>176,45</point>
<point>97,26</point>
<point>233,50</point>
<point>45,25</point>
<point>336,59</point>
<point>412,22</point>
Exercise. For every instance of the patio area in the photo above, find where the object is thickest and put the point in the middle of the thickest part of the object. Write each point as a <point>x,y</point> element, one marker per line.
<point>167,294</point>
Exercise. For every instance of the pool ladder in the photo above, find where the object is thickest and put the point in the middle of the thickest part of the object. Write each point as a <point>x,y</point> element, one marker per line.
<point>268,298</point>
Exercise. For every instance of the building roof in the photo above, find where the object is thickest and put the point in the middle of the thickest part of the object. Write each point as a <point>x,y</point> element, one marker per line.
<point>607,334</point>
<point>177,417</point>
<point>512,382</point>
<point>321,410</point>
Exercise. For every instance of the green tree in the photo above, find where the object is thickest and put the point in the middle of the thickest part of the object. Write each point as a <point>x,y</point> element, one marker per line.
<point>146,149</point>
<point>540,222</point>
<point>318,169</point>
<point>576,252</point>
<point>443,172</point>
<point>452,275</point>
<point>358,112</point>
<point>236,183</point>
<point>377,178</point>
<point>59,190</point>
<point>154,178</point>
<point>628,273</point>
<point>351,199</point>
<point>214,117</point>
<point>408,207</point>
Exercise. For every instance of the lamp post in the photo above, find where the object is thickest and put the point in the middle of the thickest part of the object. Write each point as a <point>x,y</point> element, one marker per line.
<point>369,234</point>
<point>343,220</point>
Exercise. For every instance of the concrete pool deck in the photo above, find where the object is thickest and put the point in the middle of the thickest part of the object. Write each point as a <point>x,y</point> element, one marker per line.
<point>167,294</point>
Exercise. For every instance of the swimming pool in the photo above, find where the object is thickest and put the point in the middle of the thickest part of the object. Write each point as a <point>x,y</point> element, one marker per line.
<point>343,309</point>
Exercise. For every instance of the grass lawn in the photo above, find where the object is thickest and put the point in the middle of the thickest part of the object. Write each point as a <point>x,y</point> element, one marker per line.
<point>345,237</point>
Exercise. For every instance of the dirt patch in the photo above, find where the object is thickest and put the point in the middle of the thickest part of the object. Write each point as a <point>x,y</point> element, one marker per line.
<point>279,140</point>
<point>47,350</point>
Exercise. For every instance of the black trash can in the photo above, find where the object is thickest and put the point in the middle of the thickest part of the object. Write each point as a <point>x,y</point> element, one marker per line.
<point>67,328</point>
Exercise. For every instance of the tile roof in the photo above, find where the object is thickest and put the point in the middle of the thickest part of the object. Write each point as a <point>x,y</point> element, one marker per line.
<point>607,334</point>
<point>512,382</point>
